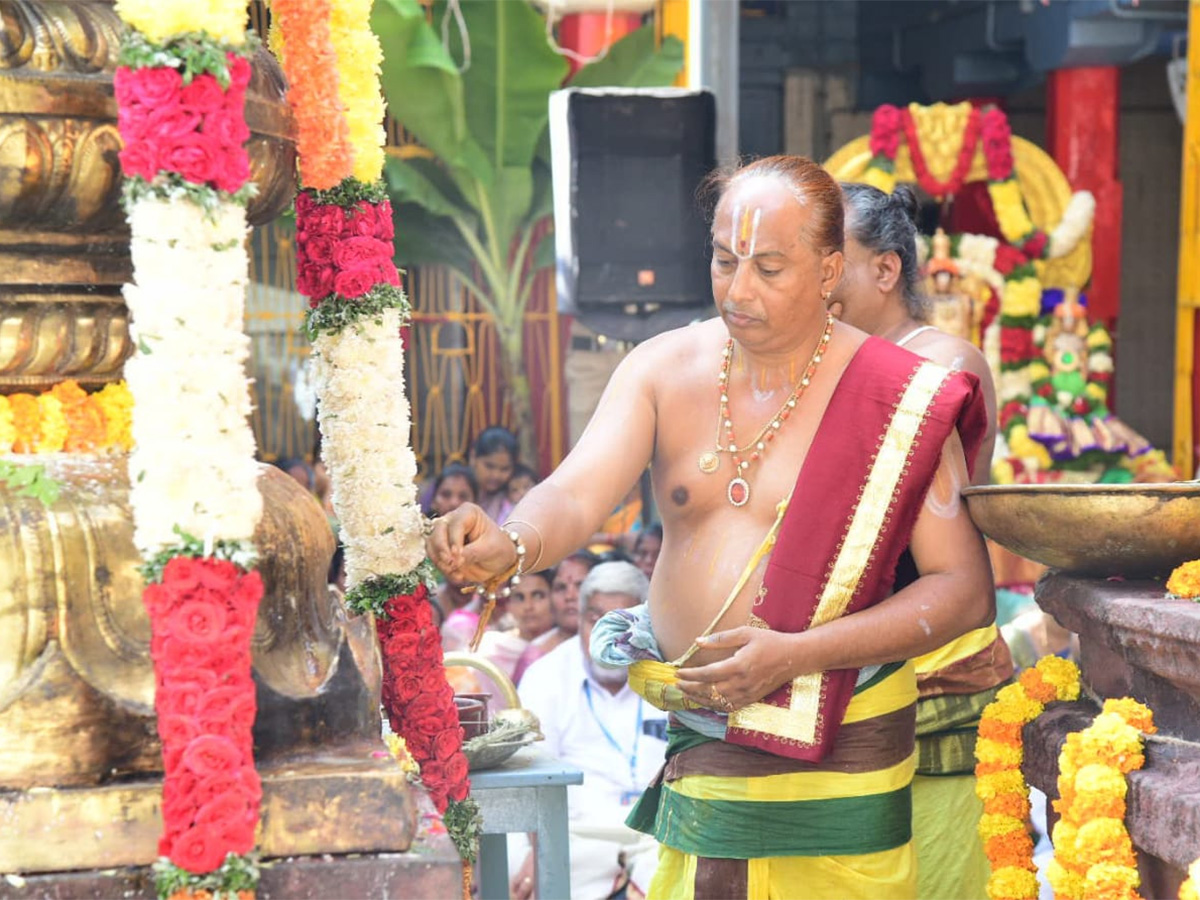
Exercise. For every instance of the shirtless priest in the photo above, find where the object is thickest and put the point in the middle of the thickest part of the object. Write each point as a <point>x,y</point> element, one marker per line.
<point>794,458</point>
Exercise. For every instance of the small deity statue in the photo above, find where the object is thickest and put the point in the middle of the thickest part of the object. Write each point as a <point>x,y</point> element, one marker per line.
<point>1066,349</point>
<point>952,310</point>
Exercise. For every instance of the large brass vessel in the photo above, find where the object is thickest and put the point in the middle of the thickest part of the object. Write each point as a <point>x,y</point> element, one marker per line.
<point>80,767</point>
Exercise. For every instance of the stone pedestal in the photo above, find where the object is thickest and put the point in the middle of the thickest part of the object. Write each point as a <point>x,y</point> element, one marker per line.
<point>1134,642</point>
<point>429,868</point>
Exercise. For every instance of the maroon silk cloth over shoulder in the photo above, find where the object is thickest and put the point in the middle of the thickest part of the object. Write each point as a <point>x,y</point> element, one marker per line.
<point>826,497</point>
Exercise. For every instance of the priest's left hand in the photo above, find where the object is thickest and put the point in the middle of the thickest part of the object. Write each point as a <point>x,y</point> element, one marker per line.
<point>762,660</point>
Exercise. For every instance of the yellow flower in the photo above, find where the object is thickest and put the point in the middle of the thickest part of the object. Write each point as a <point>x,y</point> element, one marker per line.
<point>54,428</point>
<point>1112,741</point>
<point>1190,889</point>
<point>399,751</point>
<point>992,825</point>
<point>1012,882</point>
<point>1097,392</point>
<point>996,752</point>
<point>1009,781</point>
<point>1025,447</point>
<point>1106,881</point>
<point>1010,210</point>
<point>359,58</point>
<point>1098,338</point>
<point>1038,370</point>
<point>224,20</point>
<point>1066,884</point>
<point>1063,674</point>
<point>8,431</point>
<point>116,402</point>
<point>1185,581</point>
<point>876,177</point>
<point>1003,472</point>
<point>1136,714</point>
<point>1096,778</point>
<point>1063,837</point>
<point>1022,297</point>
<point>1104,841</point>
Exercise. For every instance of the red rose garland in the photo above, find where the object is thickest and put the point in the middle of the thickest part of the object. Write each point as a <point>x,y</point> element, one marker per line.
<point>345,251</point>
<point>202,618</point>
<point>417,697</point>
<point>885,135</point>
<point>962,166</point>
<point>197,130</point>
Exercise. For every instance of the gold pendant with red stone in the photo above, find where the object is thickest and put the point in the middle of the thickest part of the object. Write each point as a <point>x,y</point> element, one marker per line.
<point>738,491</point>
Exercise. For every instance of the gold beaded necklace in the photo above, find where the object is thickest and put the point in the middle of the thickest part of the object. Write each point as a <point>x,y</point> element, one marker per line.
<point>738,492</point>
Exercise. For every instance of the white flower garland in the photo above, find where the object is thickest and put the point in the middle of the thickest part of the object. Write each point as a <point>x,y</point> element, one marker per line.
<point>1076,220</point>
<point>364,417</point>
<point>192,465</point>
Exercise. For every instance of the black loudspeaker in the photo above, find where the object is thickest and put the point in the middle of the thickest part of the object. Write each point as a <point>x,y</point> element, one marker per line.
<point>631,242</point>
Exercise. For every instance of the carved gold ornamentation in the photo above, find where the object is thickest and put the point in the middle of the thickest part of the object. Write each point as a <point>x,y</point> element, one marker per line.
<point>64,245</point>
<point>76,681</point>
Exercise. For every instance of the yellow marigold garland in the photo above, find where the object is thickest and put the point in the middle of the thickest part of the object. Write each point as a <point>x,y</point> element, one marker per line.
<point>1184,583</point>
<point>116,403</point>
<point>8,431</point>
<point>224,20</point>
<point>359,58</point>
<point>52,434</point>
<point>999,782</point>
<point>1190,889</point>
<point>1009,206</point>
<point>1093,853</point>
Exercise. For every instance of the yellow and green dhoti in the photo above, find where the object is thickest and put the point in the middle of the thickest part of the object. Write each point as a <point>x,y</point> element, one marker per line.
<point>739,822</point>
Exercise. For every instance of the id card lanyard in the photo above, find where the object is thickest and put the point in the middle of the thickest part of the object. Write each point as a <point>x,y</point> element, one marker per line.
<point>612,741</point>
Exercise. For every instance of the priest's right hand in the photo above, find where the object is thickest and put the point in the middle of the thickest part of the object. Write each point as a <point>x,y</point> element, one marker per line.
<point>468,546</point>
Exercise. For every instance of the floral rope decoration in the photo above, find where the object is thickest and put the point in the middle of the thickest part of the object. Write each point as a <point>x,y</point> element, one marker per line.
<point>181,89</point>
<point>344,241</point>
<point>1093,853</point>
<point>1190,889</point>
<point>999,782</point>
<point>68,419</point>
<point>962,164</point>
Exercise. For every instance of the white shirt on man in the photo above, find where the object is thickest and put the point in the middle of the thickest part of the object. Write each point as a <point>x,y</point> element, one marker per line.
<point>616,740</point>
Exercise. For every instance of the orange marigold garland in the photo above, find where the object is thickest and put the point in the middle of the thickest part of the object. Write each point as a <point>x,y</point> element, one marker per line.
<point>302,41</point>
<point>1093,853</point>
<point>1000,784</point>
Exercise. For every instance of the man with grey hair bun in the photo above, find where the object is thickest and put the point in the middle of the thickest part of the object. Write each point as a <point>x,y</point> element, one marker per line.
<point>594,722</point>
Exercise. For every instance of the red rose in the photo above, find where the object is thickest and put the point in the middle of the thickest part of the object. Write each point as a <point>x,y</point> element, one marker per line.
<point>351,283</point>
<point>885,131</point>
<point>440,799</point>
<point>178,729</point>
<point>153,598</point>
<point>407,688</point>
<point>132,122</point>
<point>199,850</point>
<point>433,773</point>
<point>419,745</point>
<point>227,127</point>
<point>183,572</point>
<point>459,789</point>
<point>202,95</point>
<point>304,204</point>
<point>170,124</point>
<point>319,249</point>
<point>426,706</point>
<point>401,647</point>
<point>197,622</point>
<point>155,87</point>
<point>997,144</point>
<point>179,790</point>
<point>239,71</point>
<point>446,744</point>
<point>212,755</point>
<point>249,590</point>
<point>356,252</point>
<point>386,228</point>
<point>1016,344</point>
<point>363,219</point>
<point>1046,391</point>
<point>430,725</point>
<point>326,219</point>
<point>434,682</point>
<point>227,711</point>
<point>183,696</point>
<point>457,768</point>
<point>196,157</point>
<point>234,173</point>
<point>123,85</point>
<point>315,281</point>
<point>140,159</point>
<point>1008,258</point>
<point>1035,247</point>
<point>231,806</point>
